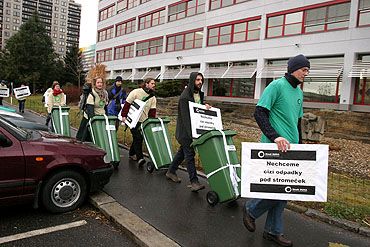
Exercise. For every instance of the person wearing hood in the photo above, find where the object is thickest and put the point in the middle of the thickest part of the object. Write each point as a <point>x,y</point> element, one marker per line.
<point>278,114</point>
<point>117,97</point>
<point>192,93</point>
<point>144,93</point>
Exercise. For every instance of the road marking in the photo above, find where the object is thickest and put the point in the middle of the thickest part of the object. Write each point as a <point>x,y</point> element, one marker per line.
<point>41,231</point>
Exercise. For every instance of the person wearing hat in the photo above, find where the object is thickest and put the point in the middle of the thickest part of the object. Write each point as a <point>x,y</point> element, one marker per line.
<point>278,114</point>
<point>117,97</point>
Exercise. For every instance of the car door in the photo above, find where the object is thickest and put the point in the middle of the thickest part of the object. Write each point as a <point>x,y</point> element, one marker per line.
<point>12,166</point>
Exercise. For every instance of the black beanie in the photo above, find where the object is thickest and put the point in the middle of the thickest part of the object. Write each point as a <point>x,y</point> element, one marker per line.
<point>297,62</point>
<point>118,78</point>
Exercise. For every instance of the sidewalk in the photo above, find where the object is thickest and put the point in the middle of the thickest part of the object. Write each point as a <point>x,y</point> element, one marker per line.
<point>157,212</point>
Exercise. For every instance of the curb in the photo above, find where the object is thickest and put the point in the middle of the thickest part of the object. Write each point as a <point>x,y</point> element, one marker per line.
<point>137,229</point>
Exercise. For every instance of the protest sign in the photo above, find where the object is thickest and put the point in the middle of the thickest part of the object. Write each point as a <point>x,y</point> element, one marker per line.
<point>299,174</point>
<point>4,92</point>
<point>21,92</point>
<point>203,120</point>
<point>133,116</point>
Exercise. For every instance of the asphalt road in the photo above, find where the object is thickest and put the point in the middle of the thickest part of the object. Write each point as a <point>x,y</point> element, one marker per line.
<point>187,218</point>
<point>93,230</point>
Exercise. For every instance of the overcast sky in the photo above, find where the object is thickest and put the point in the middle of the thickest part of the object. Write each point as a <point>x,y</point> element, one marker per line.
<point>89,16</point>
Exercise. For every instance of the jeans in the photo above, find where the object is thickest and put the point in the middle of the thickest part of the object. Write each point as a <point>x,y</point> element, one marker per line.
<point>275,208</point>
<point>185,152</point>
<point>137,142</point>
<point>21,105</point>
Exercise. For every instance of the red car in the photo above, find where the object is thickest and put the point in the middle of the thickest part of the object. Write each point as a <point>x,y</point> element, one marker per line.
<point>48,169</point>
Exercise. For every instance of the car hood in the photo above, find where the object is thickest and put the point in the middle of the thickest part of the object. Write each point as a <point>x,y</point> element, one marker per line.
<point>52,138</point>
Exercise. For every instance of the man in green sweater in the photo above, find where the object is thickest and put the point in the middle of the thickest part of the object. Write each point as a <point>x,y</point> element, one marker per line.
<point>278,114</point>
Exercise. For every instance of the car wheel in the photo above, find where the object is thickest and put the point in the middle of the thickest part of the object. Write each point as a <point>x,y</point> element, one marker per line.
<point>64,191</point>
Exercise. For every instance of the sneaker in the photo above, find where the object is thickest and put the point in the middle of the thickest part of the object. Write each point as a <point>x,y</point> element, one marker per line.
<point>133,157</point>
<point>196,186</point>
<point>173,177</point>
<point>279,239</point>
<point>141,162</point>
<point>248,221</point>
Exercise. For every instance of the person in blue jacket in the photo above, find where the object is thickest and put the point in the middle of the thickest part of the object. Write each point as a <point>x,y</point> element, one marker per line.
<point>117,97</point>
<point>278,114</point>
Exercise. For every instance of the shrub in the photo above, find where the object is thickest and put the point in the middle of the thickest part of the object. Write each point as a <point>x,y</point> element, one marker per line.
<point>72,93</point>
<point>169,88</point>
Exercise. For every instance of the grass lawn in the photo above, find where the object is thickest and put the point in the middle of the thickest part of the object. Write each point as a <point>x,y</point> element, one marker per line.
<point>348,197</point>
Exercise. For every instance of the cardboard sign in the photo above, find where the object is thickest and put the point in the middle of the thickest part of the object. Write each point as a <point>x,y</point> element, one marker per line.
<point>21,92</point>
<point>203,120</point>
<point>4,92</point>
<point>133,116</point>
<point>300,174</point>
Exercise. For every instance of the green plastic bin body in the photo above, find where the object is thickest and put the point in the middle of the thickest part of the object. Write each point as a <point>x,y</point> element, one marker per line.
<point>104,135</point>
<point>155,133</point>
<point>211,149</point>
<point>60,120</point>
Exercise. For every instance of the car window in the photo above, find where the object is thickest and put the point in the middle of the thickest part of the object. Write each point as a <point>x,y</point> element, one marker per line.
<point>18,132</point>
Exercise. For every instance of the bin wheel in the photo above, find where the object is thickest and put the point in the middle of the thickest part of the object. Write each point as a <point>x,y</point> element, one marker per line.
<point>212,198</point>
<point>115,164</point>
<point>150,167</point>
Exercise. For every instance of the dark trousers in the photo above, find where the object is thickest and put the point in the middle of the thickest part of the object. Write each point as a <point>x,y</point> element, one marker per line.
<point>185,152</point>
<point>137,143</point>
<point>1,100</point>
<point>21,104</point>
<point>83,133</point>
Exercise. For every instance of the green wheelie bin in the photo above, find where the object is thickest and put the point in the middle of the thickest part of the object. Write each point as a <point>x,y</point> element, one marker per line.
<point>60,120</point>
<point>220,163</point>
<point>155,133</point>
<point>104,135</point>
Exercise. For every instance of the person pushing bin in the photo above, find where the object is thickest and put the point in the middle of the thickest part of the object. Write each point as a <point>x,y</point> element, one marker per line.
<point>155,133</point>
<point>57,111</point>
<point>102,128</point>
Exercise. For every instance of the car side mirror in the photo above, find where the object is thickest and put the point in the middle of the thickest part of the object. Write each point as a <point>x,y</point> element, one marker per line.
<point>4,141</point>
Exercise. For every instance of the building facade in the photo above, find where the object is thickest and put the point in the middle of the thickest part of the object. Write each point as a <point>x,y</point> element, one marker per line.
<point>242,45</point>
<point>61,19</point>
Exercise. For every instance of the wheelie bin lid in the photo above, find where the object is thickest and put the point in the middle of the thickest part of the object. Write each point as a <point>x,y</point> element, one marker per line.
<point>101,117</point>
<point>155,120</point>
<point>209,134</point>
<point>63,107</point>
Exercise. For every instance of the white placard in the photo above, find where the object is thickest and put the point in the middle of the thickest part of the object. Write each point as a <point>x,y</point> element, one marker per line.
<point>4,92</point>
<point>21,92</point>
<point>300,174</point>
<point>203,120</point>
<point>134,114</point>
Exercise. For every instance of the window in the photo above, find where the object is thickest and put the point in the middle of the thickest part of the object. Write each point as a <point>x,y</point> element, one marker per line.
<point>183,9</point>
<point>311,19</point>
<point>152,19</point>
<point>362,86</point>
<point>125,27</point>
<point>106,13</point>
<point>144,1</point>
<point>150,47</point>
<point>240,31</point>
<point>125,51</point>
<point>216,4</point>
<point>105,34</point>
<point>104,55</point>
<point>185,41</point>
<point>233,87</point>
<point>364,13</point>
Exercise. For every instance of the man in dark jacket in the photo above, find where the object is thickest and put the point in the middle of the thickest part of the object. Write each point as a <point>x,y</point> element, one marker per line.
<point>83,133</point>
<point>117,97</point>
<point>192,93</point>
